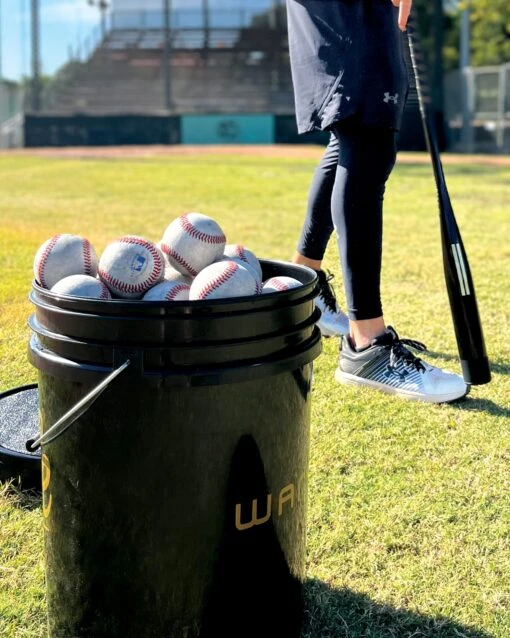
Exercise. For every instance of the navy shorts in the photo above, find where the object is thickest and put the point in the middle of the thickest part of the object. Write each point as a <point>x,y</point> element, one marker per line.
<point>347,58</point>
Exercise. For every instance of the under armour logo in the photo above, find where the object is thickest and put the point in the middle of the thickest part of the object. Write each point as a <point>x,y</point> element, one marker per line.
<point>390,372</point>
<point>391,98</point>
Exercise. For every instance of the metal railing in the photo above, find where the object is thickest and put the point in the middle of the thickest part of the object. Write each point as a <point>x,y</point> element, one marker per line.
<point>12,132</point>
<point>477,108</point>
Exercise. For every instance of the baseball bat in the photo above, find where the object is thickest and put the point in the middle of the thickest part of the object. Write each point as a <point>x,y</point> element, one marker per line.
<point>459,283</point>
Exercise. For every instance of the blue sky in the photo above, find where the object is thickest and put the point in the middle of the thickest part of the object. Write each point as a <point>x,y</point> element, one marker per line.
<point>63,23</point>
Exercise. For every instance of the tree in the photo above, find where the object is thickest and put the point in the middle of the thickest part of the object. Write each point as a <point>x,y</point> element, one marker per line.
<point>490,32</point>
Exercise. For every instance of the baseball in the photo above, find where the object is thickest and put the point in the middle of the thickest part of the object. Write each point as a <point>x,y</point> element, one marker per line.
<point>168,291</point>
<point>63,255</point>
<point>280,283</point>
<point>238,251</point>
<point>81,286</point>
<point>130,266</point>
<point>223,279</point>
<point>174,275</point>
<point>158,246</point>
<point>192,242</point>
<point>248,267</point>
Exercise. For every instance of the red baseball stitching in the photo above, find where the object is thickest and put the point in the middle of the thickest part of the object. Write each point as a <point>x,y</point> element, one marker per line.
<point>173,292</point>
<point>87,257</point>
<point>44,258</point>
<point>220,279</point>
<point>140,287</point>
<point>239,251</point>
<point>193,232</point>
<point>105,293</point>
<point>279,285</point>
<point>175,256</point>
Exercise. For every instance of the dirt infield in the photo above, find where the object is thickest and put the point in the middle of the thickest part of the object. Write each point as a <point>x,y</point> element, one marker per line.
<point>298,151</point>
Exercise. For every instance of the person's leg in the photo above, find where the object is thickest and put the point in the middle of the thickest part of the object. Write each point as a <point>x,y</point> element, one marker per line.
<point>318,225</point>
<point>374,356</point>
<point>366,158</point>
<point>315,234</point>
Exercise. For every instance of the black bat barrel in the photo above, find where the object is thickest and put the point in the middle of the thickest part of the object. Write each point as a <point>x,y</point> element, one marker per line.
<point>175,505</point>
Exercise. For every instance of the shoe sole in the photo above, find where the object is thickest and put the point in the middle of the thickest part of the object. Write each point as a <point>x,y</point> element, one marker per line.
<point>349,379</point>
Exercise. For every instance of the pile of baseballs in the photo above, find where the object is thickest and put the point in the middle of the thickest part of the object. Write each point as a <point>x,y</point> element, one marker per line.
<point>192,261</point>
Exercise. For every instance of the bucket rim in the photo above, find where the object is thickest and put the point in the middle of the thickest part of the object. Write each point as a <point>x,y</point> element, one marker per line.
<point>198,306</point>
<point>56,365</point>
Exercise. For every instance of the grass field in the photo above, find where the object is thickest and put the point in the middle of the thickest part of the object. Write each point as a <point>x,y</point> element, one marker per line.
<point>409,504</point>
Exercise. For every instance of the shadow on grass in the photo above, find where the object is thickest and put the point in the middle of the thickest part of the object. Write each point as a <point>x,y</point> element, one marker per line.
<point>497,368</point>
<point>470,404</point>
<point>24,499</point>
<point>341,613</point>
<point>329,612</point>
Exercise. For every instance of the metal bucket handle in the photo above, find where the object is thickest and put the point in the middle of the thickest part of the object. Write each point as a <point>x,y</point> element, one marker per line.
<point>74,413</point>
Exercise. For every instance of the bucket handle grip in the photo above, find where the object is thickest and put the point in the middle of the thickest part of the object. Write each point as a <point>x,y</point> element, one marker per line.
<point>75,412</point>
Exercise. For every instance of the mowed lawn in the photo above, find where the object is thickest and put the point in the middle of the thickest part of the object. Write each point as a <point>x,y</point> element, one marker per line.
<point>409,504</point>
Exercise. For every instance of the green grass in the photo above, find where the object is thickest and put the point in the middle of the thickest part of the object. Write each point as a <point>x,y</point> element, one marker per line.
<point>409,506</point>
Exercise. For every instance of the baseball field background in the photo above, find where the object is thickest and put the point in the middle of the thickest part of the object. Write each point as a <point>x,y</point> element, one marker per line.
<point>409,504</point>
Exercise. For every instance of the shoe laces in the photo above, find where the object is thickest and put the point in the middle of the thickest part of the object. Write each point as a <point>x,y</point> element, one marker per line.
<point>326,292</point>
<point>399,352</point>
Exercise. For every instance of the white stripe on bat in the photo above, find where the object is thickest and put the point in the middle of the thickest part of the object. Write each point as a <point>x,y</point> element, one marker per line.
<point>461,270</point>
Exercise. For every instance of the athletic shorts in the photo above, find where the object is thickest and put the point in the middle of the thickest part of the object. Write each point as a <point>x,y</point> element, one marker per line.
<point>347,58</point>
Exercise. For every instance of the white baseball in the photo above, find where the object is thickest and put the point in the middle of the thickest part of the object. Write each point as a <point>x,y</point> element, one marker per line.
<point>158,246</point>
<point>168,291</point>
<point>192,242</point>
<point>244,265</point>
<point>238,251</point>
<point>82,286</point>
<point>130,266</point>
<point>279,283</point>
<point>174,275</point>
<point>63,255</point>
<point>223,279</point>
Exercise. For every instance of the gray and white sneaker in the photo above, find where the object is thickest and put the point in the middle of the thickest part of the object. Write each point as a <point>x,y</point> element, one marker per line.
<point>388,365</point>
<point>333,321</point>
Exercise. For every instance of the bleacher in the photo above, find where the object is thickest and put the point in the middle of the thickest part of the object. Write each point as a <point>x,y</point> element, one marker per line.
<point>224,71</point>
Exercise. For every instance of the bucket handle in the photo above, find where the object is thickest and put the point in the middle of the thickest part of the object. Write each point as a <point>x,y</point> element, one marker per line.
<point>74,413</point>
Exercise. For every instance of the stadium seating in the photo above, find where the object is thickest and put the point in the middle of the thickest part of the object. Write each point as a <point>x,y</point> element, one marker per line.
<point>126,74</point>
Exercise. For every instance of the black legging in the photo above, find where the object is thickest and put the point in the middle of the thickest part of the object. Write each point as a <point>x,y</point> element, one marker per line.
<point>347,195</point>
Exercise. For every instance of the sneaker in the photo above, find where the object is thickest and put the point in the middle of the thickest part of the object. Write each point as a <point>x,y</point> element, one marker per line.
<point>387,365</point>
<point>333,322</point>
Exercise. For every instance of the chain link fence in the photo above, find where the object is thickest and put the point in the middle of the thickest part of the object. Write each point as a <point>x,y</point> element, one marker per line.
<point>11,114</point>
<point>477,108</point>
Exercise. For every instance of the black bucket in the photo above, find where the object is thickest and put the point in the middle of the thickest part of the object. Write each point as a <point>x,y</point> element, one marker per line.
<point>175,504</point>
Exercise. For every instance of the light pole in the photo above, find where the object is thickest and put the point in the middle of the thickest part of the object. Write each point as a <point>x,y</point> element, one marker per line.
<point>36,66</point>
<point>207,29</point>
<point>23,40</point>
<point>167,8</point>
<point>465,74</point>
<point>102,5</point>
<point>1,73</point>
